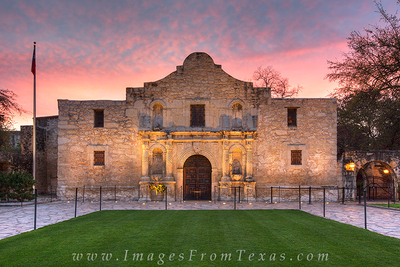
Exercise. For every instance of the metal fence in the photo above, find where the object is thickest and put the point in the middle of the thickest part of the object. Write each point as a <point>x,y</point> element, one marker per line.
<point>298,196</point>
<point>269,194</point>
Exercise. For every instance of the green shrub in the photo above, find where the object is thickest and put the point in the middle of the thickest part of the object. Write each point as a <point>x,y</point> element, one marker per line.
<point>16,185</point>
<point>4,186</point>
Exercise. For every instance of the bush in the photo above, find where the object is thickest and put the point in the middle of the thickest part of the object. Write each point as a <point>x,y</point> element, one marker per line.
<point>16,185</point>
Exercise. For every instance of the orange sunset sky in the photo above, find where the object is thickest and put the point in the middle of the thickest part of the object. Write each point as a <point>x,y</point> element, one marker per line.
<point>89,50</point>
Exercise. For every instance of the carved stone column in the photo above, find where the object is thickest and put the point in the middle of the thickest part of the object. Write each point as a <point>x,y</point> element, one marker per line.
<point>225,160</point>
<point>249,158</point>
<point>168,161</point>
<point>145,159</point>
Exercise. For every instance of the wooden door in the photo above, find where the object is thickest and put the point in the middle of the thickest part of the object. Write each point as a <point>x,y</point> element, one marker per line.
<point>197,178</point>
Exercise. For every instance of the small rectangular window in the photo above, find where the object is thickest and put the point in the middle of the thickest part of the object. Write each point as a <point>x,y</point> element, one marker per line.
<point>197,116</point>
<point>99,158</point>
<point>296,157</point>
<point>292,116</point>
<point>98,118</point>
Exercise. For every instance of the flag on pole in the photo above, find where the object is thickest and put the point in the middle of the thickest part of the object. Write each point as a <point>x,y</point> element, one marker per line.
<point>33,68</point>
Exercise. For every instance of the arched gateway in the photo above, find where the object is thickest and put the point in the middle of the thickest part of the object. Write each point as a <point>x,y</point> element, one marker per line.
<point>197,178</point>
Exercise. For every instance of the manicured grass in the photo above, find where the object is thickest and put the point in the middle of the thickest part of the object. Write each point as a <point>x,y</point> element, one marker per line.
<point>200,238</point>
<point>397,206</point>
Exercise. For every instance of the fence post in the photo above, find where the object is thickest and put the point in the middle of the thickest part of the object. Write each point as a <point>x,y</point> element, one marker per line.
<point>234,199</point>
<point>243,192</point>
<point>100,198</point>
<point>83,194</point>
<point>394,193</point>
<point>365,208</point>
<point>343,196</point>
<point>309,195</point>
<point>279,194</point>
<point>166,199</point>
<point>76,199</point>
<point>271,196</point>
<point>215,193</point>
<point>34,220</point>
<point>299,197</point>
<point>324,202</point>
<point>51,193</point>
<point>115,193</point>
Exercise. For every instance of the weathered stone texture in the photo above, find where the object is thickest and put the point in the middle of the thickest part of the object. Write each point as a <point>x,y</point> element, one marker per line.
<point>148,137</point>
<point>78,139</point>
<point>46,152</point>
<point>315,134</point>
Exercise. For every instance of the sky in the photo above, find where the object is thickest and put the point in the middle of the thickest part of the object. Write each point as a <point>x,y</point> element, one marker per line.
<point>93,50</point>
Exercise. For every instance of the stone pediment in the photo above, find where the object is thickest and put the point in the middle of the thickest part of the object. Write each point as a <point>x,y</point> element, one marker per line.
<point>198,77</point>
<point>199,70</point>
<point>197,61</point>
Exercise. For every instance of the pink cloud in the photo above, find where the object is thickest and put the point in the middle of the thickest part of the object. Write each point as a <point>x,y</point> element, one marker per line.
<point>94,49</point>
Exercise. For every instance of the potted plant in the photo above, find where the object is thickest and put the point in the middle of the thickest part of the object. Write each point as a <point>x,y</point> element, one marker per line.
<point>157,191</point>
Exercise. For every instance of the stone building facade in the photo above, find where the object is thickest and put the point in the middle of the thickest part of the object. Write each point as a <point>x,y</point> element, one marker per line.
<point>200,132</point>
<point>46,153</point>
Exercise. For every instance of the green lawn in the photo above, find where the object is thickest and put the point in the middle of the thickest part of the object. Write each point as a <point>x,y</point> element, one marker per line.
<point>200,238</point>
<point>397,206</point>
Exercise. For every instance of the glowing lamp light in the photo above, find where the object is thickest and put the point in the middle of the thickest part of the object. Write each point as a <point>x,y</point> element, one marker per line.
<point>386,171</point>
<point>350,166</point>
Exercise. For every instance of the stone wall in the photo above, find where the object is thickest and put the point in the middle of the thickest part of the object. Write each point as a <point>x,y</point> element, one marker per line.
<point>46,152</point>
<point>245,137</point>
<point>78,139</point>
<point>315,134</point>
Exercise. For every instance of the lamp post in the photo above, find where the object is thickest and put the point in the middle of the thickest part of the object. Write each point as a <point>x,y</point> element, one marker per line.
<point>349,168</point>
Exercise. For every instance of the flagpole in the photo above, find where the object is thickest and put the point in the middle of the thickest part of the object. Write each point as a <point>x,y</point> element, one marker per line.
<point>34,111</point>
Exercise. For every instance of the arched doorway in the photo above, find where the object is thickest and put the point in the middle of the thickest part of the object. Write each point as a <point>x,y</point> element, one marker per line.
<point>197,178</point>
<point>378,179</point>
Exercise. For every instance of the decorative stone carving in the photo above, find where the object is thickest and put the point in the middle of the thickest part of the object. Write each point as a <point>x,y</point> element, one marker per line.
<point>237,177</point>
<point>196,147</point>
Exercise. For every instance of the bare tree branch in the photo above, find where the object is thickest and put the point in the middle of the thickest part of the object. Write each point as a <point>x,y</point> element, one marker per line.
<point>271,78</point>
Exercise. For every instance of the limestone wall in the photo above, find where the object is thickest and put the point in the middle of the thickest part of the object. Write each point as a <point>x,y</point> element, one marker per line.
<point>315,135</point>
<point>78,139</point>
<point>46,152</point>
<point>243,128</point>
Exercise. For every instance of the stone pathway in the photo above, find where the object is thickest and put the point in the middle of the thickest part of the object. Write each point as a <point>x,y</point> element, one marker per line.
<point>16,219</point>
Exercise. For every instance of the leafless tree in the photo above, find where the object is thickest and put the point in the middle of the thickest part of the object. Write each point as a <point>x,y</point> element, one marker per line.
<point>271,78</point>
<point>8,106</point>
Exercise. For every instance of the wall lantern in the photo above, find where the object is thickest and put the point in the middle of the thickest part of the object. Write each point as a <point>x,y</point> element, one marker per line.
<point>350,166</point>
<point>386,171</point>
